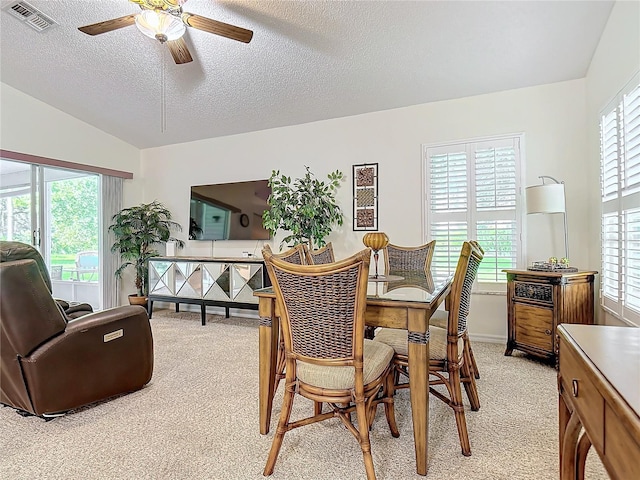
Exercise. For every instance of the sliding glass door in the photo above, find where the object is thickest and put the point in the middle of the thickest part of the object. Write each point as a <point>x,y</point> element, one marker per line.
<point>57,211</point>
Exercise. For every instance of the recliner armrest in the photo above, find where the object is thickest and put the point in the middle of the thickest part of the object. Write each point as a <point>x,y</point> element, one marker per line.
<point>74,309</point>
<point>105,317</point>
<point>63,303</point>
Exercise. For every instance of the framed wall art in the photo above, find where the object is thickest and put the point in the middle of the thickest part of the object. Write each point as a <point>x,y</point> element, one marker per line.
<point>365,196</point>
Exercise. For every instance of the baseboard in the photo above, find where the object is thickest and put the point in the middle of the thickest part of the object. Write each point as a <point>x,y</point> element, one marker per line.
<point>485,338</point>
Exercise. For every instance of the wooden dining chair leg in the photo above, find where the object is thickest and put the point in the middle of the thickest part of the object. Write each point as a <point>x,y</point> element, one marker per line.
<point>372,405</point>
<point>283,426</point>
<point>280,364</point>
<point>473,364</point>
<point>458,408</point>
<point>469,381</point>
<point>365,443</point>
<point>389,409</point>
<point>371,413</point>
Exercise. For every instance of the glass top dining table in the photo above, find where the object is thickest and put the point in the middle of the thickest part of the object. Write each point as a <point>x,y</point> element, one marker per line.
<point>404,300</point>
<point>407,286</point>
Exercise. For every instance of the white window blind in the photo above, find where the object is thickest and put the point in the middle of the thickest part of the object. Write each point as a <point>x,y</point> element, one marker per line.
<point>620,186</point>
<point>472,193</point>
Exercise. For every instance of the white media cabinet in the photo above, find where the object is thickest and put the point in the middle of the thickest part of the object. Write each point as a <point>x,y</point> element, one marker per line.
<point>222,282</point>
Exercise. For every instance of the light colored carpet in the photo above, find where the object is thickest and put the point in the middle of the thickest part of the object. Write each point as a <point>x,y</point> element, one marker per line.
<point>198,419</point>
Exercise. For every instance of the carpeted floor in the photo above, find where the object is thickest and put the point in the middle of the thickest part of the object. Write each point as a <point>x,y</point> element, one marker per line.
<point>198,419</point>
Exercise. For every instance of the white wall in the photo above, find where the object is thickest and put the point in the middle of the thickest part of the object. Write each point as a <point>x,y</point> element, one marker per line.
<point>551,116</point>
<point>614,63</point>
<point>30,126</point>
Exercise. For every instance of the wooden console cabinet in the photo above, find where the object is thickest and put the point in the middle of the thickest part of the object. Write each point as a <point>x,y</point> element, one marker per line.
<point>599,399</point>
<point>223,282</point>
<point>537,302</point>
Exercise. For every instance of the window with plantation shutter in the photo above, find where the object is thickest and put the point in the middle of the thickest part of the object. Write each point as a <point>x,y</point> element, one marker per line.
<point>471,193</point>
<point>620,187</point>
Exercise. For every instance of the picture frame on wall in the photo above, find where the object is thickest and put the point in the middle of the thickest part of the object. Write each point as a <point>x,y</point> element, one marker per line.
<point>365,196</point>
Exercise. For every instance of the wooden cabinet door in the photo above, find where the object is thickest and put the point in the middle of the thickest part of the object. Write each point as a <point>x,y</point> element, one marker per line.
<point>534,326</point>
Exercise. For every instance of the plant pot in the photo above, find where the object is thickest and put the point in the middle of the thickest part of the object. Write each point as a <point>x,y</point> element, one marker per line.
<point>134,299</point>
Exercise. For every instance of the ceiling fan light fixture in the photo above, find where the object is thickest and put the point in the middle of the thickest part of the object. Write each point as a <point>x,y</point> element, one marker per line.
<point>160,25</point>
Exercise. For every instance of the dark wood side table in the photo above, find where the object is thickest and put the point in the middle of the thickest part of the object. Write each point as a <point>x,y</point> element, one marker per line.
<point>599,391</point>
<point>537,302</point>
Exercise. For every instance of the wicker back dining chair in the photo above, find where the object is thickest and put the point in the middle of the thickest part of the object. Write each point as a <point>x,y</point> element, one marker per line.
<point>449,362</point>
<point>328,360</point>
<point>408,259</point>
<point>321,256</point>
<point>296,255</point>
<point>405,262</point>
<point>440,318</point>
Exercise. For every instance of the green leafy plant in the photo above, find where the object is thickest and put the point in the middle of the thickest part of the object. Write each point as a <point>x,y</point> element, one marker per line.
<point>306,207</point>
<point>138,230</point>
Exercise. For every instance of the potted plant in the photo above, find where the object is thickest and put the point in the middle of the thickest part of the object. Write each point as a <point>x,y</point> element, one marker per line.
<point>306,207</point>
<point>137,231</point>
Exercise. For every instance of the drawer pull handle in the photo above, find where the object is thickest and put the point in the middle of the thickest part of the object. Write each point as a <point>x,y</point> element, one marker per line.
<point>574,384</point>
<point>547,331</point>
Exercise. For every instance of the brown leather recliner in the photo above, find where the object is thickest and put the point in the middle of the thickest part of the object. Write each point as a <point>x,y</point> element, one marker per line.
<point>10,251</point>
<point>50,366</point>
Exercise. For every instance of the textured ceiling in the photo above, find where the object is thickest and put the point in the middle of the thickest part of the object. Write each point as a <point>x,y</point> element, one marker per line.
<point>308,61</point>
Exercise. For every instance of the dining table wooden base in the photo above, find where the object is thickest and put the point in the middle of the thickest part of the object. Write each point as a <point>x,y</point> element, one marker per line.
<point>419,385</point>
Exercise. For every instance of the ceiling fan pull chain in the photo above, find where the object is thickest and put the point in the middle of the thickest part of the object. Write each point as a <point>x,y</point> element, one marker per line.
<point>163,107</point>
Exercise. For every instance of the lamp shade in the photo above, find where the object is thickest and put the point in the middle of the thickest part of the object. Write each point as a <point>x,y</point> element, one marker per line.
<point>548,198</point>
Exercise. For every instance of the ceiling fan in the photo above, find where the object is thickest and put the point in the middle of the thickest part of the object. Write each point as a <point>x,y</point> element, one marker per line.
<point>165,21</point>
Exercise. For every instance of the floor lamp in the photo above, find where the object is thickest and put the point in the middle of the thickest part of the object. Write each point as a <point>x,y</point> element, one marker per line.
<point>549,198</point>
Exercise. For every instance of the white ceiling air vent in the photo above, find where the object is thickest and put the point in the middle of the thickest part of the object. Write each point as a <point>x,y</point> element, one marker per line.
<point>30,15</point>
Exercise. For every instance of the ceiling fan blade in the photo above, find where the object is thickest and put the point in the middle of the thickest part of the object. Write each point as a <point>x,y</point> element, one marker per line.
<point>108,25</point>
<point>179,51</point>
<point>217,28</point>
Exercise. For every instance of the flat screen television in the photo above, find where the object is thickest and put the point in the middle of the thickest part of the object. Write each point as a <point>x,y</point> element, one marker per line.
<point>229,211</point>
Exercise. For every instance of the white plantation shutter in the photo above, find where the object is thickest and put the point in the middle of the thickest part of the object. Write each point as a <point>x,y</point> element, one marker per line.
<point>630,142</point>
<point>610,282</point>
<point>620,185</point>
<point>448,200</point>
<point>448,177</point>
<point>609,153</point>
<point>449,237</point>
<point>631,277</point>
<point>471,194</point>
<point>500,241</point>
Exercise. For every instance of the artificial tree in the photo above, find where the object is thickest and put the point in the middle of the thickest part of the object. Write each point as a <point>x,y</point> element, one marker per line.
<point>137,231</point>
<point>306,207</point>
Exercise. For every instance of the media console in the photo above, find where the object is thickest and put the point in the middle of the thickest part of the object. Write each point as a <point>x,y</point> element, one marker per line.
<point>213,281</point>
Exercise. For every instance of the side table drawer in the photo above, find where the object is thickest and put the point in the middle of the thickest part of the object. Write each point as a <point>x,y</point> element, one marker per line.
<point>534,326</point>
<point>584,395</point>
